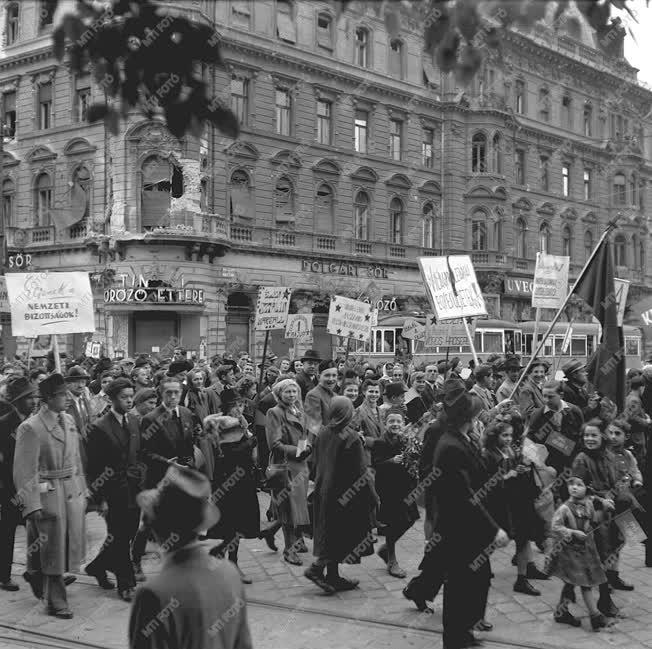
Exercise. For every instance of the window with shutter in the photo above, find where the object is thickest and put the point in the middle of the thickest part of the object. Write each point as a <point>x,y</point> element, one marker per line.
<point>324,221</point>
<point>285,25</point>
<point>241,203</point>
<point>45,105</point>
<point>284,203</point>
<point>324,32</point>
<point>9,121</point>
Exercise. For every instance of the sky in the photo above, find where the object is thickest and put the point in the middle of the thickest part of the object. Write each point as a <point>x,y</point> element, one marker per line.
<point>638,50</point>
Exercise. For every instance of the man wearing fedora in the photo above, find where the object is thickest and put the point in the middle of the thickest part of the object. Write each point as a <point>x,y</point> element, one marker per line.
<point>166,434</point>
<point>307,377</point>
<point>575,389</point>
<point>49,480</point>
<point>79,406</point>
<point>196,601</point>
<point>23,399</point>
<point>512,367</point>
<point>115,476</point>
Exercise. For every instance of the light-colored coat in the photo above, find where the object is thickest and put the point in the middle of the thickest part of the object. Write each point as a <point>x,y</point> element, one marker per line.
<point>42,449</point>
<point>317,408</point>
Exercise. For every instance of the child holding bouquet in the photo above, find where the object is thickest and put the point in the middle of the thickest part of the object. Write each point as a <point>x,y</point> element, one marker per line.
<point>395,485</point>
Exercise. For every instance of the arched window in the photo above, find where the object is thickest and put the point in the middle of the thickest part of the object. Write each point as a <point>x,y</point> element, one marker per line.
<point>361,215</point>
<point>362,51</point>
<point>620,250</point>
<point>80,194</point>
<point>567,112</point>
<point>240,196</point>
<point>588,120</point>
<point>566,242</point>
<point>283,202</point>
<point>497,151</point>
<point>396,58</point>
<point>325,209</point>
<point>544,104</point>
<point>519,96</point>
<point>429,226</point>
<point>479,153</point>
<point>8,197</point>
<point>619,189</point>
<point>588,244</point>
<point>43,193</point>
<point>12,23</point>
<point>520,250</point>
<point>635,250</point>
<point>396,218</point>
<point>479,231</point>
<point>497,235</point>
<point>544,238</point>
<point>162,181</point>
<point>633,185</point>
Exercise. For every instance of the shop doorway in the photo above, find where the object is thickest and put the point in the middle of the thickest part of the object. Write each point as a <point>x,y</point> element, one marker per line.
<point>153,332</point>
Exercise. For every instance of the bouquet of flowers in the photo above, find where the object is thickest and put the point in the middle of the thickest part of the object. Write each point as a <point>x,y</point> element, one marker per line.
<point>412,447</point>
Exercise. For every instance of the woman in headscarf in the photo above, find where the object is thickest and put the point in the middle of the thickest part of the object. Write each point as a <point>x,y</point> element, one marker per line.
<point>344,496</point>
<point>287,437</point>
<point>530,397</point>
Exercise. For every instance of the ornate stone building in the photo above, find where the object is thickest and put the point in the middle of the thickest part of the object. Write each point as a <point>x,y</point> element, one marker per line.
<point>356,157</point>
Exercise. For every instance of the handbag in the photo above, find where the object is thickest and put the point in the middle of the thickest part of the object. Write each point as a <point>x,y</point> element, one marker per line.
<point>277,475</point>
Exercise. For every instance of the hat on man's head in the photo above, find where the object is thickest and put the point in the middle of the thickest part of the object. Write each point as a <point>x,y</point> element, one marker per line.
<point>53,384</point>
<point>77,373</point>
<point>539,361</point>
<point>180,503</point>
<point>229,398</point>
<point>512,363</point>
<point>394,390</point>
<point>482,371</point>
<point>327,365</point>
<point>573,366</point>
<point>443,367</point>
<point>19,388</point>
<point>177,367</point>
<point>454,390</point>
<point>117,385</point>
<point>311,355</point>
<point>144,395</point>
<point>141,361</point>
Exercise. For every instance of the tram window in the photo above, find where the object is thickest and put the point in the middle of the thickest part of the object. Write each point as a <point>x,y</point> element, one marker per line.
<point>509,342</point>
<point>493,342</point>
<point>527,343</point>
<point>477,341</point>
<point>389,341</point>
<point>590,345</point>
<point>547,347</point>
<point>378,342</point>
<point>632,346</point>
<point>517,342</point>
<point>578,346</point>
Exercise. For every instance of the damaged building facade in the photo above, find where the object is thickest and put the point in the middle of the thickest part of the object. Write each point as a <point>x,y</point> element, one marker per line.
<point>356,157</point>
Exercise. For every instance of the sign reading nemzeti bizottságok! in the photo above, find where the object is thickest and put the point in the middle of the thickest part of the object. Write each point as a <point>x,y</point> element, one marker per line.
<point>452,287</point>
<point>349,318</point>
<point>550,285</point>
<point>272,308</point>
<point>50,303</point>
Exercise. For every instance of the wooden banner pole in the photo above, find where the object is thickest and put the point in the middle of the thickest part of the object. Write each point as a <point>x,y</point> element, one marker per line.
<point>471,342</point>
<point>262,363</point>
<point>535,336</point>
<point>55,351</point>
<point>30,351</point>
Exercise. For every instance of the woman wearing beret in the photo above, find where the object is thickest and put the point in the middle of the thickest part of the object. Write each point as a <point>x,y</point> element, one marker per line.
<point>287,438</point>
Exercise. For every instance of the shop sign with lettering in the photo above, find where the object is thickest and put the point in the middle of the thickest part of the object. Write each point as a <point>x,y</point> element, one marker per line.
<point>140,291</point>
<point>519,286</point>
<point>19,261</point>
<point>382,305</point>
<point>337,268</point>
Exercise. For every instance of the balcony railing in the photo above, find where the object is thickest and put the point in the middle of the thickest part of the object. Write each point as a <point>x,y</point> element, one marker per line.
<point>193,224</point>
<point>45,235</point>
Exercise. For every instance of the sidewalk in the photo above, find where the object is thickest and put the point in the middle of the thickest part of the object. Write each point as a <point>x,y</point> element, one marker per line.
<point>518,619</point>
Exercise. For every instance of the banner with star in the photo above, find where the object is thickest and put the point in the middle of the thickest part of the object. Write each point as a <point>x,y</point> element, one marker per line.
<point>272,307</point>
<point>349,318</point>
<point>452,287</point>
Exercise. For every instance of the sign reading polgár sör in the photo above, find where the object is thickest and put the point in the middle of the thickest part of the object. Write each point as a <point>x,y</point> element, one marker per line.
<point>337,268</point>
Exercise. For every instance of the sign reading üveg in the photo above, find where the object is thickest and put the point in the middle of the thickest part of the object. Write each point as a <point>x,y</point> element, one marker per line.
<point>50,303</point>
<point>452,287</point>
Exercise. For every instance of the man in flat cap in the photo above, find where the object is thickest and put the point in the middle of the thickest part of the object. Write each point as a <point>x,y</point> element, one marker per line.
<point>49,480</point>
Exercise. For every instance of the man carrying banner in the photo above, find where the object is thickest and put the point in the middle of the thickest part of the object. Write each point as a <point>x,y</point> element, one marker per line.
<point>49,480</point>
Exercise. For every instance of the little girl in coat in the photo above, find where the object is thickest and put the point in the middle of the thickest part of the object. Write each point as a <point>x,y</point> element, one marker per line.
<point>574,557</point>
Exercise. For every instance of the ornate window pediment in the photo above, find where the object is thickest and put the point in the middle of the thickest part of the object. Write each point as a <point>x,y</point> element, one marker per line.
<point>480,192</point>
<point>243,150</point>
<point>547,209</point>
<point>364,174</point>
<point>327,166</point>
<point>79,145</point>
<point>430,187</point>
<point>9,160</point>
<point>500,193</point>
<point>569,214</point>
<point>286,157</point>
<point>400,181</point>
<point>590,217</point>
<point>522,204</point>
<point>40,153</point>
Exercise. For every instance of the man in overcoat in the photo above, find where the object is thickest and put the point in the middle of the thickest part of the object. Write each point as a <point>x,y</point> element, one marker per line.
<point>318,400</point>
<point>307,378</point>
<point>166,433</point>
<point>79,405</point>
<point>23,397</point>
<point>195,601</point>
<point>115,477</point>
<point>50,484</point>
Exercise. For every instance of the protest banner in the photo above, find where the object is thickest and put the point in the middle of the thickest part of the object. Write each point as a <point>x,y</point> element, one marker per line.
<point>447,334</point>
<point>349,318</point>
<point>50,303</point>
<point>4,298</point>
<point>413,329</point>
<point>452,287</point>
<point>550,284</point>
<point>621,287</point>
<point>272,308</point>
<point>299,325</point>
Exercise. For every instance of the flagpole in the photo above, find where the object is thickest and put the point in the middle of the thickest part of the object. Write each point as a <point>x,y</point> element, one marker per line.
<point>610,226</point>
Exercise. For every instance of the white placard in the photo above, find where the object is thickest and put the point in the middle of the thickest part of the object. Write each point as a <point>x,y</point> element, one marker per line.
<point>413,329</point>
<point>4,298</point>
<point>565,344</point>
<point>452,287</point>
<point>349,318</point>
<point>50,303</point>
<point>447,334</point>
<point>621,287</point>
<point>299,325</point>
<point>272,308</point>
<point>550,285</point>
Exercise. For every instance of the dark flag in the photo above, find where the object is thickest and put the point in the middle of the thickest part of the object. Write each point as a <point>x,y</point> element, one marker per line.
<point>606,367</point>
